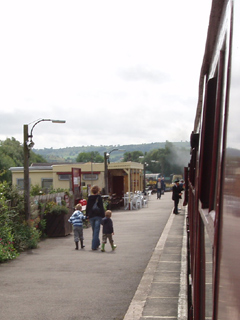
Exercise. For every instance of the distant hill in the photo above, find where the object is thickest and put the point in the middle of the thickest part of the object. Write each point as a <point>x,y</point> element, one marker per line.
<point>69,154</point>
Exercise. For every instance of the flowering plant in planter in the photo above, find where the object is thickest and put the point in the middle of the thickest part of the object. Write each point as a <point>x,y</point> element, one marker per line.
<point>54,208</point>
<point>57,209</point>
<point>57,216</point>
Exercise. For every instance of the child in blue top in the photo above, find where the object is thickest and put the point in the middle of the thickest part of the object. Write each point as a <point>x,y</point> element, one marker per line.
<point>77,221</point>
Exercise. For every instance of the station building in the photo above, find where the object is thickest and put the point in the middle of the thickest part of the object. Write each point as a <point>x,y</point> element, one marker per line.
<point>122,176</point>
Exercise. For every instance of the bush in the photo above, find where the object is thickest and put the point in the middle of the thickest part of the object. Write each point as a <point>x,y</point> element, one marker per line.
<point>57,209</point>
<point>15,234</point>
<point>53,208</point>
<point>7,250</point>
<point>35,190</point>
<point>26,237</point>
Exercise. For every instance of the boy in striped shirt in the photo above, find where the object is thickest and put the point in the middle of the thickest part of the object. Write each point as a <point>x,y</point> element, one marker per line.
<point>77,221</point>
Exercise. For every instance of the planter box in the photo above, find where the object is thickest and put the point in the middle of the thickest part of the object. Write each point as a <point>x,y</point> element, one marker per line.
<point>58,225</point>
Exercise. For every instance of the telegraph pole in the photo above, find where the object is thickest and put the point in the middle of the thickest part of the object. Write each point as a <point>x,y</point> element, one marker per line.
<point>26,173</point>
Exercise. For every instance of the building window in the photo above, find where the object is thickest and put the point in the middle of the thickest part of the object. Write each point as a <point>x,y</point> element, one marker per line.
<point>47,183</point>
<point>65,177</point>
<point>20,184</point>
<point>90,177</point>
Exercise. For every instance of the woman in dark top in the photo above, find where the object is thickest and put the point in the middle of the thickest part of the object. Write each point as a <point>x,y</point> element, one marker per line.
<point>95,215</point>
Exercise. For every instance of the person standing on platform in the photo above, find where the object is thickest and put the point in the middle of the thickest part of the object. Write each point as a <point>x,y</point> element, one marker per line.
<point>108,231</point>
<point>95,212</point>
<point>77,221</point>
<point>162,185</point>
<point>176,193</point>
<point>181,189</point>
<point>159,188</point>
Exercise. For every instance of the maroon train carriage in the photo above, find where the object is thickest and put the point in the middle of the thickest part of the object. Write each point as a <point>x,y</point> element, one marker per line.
<point>213,190</point>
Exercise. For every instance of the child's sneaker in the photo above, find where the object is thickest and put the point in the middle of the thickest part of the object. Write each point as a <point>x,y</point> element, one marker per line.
<point>114,247</point>
<point>102,248</point>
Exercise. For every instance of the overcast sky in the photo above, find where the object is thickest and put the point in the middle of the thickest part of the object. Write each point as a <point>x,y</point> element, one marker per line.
<point>118,71</point>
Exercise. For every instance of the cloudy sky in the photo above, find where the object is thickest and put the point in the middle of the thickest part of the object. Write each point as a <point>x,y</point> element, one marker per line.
<point>118,71</point>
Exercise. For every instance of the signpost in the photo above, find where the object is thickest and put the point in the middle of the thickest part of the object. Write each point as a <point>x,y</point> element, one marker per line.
<point>76,183</point>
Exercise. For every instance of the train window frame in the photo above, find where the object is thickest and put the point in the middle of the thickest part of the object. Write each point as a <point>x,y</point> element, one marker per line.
<point>218,135</point>
<point>212,144</point>
<point>207,141</point>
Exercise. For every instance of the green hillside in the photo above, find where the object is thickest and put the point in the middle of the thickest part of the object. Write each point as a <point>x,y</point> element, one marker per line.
<point>69,154</point>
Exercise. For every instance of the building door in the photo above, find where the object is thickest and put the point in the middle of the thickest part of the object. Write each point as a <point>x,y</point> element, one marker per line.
<point>118,185</point>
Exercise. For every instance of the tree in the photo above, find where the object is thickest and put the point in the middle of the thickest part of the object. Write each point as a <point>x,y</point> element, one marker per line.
<point>132,156</point>
<point>11,155</point>
<point>93,156</point>
<point>5,163</point>
<point>13,149</point>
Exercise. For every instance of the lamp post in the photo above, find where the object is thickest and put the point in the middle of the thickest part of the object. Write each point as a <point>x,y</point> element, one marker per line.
<point>27,146</point>
<point>106,162</point>
<point>145,164</point>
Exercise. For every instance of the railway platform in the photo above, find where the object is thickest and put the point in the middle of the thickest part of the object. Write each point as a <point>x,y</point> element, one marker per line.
<point>162,292</point>
<point>140,282</point>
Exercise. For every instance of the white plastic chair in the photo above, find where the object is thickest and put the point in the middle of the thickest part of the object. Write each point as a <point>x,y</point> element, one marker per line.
<point>136,203</point>
<point>145,202</point>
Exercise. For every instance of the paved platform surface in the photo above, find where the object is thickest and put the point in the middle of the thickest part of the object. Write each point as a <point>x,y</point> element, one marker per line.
<point>137,281</point>
<point>162,293</point>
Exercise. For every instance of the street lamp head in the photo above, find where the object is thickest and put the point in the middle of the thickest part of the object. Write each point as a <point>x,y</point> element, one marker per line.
<point>107,154</point>
<point>30,144</point>
<point>116,149</point>
<point>58,121</point>
<point>40,120</point>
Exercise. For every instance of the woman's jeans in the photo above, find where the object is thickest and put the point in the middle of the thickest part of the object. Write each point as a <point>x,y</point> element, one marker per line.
<point>95,223</point>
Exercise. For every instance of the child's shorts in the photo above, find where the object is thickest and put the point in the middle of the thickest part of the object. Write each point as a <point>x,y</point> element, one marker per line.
<point>107,236</point>
<point>78,233</point>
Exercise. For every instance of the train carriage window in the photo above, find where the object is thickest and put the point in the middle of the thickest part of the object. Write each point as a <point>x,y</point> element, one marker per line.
<point>218,135</point>
<point>211,145</point>
<point>207,142</point>
<point>194,149</point>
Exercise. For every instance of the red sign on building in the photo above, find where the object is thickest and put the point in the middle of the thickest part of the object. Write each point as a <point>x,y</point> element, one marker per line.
<point>76,182</point>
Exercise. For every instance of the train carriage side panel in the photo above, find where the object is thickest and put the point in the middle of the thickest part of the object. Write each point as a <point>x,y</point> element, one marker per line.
<point>229,275</point>
<point>214,185</point>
